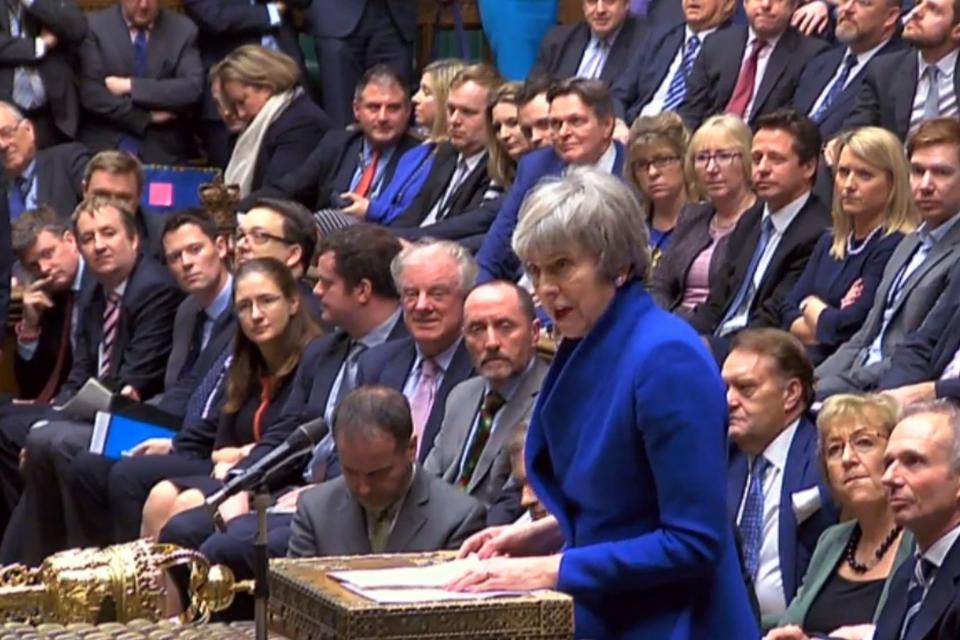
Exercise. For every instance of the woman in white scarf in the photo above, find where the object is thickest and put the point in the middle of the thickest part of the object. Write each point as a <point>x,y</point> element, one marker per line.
<point>256,86</point>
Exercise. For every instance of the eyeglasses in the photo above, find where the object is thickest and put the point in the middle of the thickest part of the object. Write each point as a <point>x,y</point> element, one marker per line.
<point>658,162</point>
<point>263,302</point>
<point>722,158</point>
<point>258,237</point>
<point>862,443</point>
<point>7,133</point>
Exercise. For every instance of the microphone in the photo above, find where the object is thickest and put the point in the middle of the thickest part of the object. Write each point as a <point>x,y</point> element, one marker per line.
<point>298,443</point>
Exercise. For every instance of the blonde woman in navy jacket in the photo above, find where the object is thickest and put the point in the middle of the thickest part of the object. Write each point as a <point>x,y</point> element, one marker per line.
<point>626,446</point>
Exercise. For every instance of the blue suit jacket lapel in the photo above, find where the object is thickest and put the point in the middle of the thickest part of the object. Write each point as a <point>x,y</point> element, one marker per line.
<point>736,482</point>
<point>798,474</point>
<point>620,158</point>
<point>941,593</point>
<point>828,70</point>
<point>891,618</point>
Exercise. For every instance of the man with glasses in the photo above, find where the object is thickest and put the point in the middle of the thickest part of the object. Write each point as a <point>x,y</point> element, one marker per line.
<point>828,88</point>
<point>582,121</point>
<point>776,495</point>
<point>776,241</point>
<point>280,229</point>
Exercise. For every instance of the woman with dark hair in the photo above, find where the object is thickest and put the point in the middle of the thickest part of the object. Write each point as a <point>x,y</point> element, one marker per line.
<point>275,329</point>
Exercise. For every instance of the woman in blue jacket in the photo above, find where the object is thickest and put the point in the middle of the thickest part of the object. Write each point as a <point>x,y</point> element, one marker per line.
<point>627,443</point>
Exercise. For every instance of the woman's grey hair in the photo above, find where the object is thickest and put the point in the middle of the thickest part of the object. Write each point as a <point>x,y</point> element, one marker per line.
<point>593,209</point>
<point>466,265</point>
<point>949,410</point>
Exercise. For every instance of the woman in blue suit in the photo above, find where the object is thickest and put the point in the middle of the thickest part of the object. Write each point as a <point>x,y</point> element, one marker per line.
<point>627,443</point>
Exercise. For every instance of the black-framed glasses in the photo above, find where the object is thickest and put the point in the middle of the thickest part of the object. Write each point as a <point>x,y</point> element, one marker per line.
<point>258,237</point>
<point>722,158</point>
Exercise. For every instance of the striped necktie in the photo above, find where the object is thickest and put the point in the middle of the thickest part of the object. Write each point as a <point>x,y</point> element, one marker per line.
<point>111,325</point>
<point>922,573</point>
<point>677,90</point>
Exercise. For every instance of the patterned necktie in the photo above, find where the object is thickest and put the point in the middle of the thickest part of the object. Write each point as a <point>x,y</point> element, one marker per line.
<point>592,65</point>
<point>111,324</point>
<point>677,90</point>
<point>492,403</point>
<point>922,573</point>
<point>931,106</point>
<point>746,82</point>
<point>28,90</point>
<point>746,290</point>
<point>751,520</point>
<point>421,402</point>
<point>456,180</point>
<point>16,199</point>
<point>140,53</point>
<point>369,173</point>
<point>212,378</point>
<point>849,62</point>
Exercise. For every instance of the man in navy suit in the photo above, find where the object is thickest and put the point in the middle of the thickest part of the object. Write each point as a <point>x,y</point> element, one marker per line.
<point>896,92</point>
<point>776,495</point>
<point>597,47</point>
<point>831,81</point>
<point>749,70</point>
<point>352,37</point>
<point>582,120</point>
<point>923,602</point>
<point>355,162</point>
<point>926,365</point>
<point>656,79</point>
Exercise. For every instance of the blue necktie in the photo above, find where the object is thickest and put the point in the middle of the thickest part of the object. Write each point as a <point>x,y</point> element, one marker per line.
<point>751,520</point>
<point>922,572</point>
<point>745,292</point>
<point>849,62</point>
<point>16,199</point>
<point>129,143</point>
<point>677,90</point>
<point>211,379</point>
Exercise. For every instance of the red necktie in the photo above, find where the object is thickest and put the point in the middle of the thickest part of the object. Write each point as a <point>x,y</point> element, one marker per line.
<point>265,384</point>
<point>743,92</point>
<point>366,178</point>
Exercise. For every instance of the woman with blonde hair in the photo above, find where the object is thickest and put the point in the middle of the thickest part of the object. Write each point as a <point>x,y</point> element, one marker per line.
<point>718,159</point>
<point>413,167</point>
<point>848,578</point>
<point>656,148</point>
<point>279,125</point>
<point>872,211</point>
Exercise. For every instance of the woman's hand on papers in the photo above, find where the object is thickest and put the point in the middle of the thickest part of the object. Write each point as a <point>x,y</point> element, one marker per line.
<point>508,574</point>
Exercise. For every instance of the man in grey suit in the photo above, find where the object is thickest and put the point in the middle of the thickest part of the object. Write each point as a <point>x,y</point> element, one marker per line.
<point>919,270</point>
<point>141,78</point>
<point>382,503</point>
<point>500,329</point>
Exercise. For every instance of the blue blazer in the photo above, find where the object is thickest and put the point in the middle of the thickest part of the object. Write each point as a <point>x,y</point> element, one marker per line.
<point>819,73</point>
<point>925,353</point>
<point>626,448</point>
<point>802,472</point>
<point>496,257</point>
<point>412,170</point>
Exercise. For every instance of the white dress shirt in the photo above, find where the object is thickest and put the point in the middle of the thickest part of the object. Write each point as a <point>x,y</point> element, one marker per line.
<point>769,581</point>
<point>464,167</point>
<point>655,105</point>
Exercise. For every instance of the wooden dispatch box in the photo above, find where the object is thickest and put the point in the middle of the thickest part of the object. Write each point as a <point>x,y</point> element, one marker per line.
<point>306,604</point>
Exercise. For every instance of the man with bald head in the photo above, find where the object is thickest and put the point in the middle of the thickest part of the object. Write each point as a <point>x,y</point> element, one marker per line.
<point>500,330</point>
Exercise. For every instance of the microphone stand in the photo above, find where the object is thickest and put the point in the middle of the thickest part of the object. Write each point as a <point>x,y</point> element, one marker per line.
<point>261,563</point>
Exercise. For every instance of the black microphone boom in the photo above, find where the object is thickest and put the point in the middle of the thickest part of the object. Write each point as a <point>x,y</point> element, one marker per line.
<point>298,443</point>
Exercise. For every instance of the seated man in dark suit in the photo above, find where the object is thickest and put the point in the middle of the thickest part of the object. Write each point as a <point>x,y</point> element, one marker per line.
<point>433,278</point>
<point>32,178</point>
<point>223,26</point>
<point>141,79</point>
<point>582,119</point>
<point>36,66</point>
<point>775,239</point>
<point>656,79</point>
<point>501,330</point>
<point>919,271</point>
<point>458,181</point>
<point>919,82</point>
<point>923,601</point>
<point>353,37</point>
<point>382,497</point>
<point>831,81</point>
<point>926,365</point>
<point>124,341</point>
<point>107,492</point>
<point>47,249</point>
<point>749,70</point>
<point>360,160</point>
<point>776,494</point>
<point>360,299</point>
<point>281,229</point>
<point>599,47</point>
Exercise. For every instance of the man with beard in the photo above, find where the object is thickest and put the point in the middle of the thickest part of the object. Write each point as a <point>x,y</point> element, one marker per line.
<point>920,83</point>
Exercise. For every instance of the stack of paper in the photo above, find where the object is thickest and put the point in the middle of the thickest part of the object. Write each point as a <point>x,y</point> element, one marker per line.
<point>406,585</point>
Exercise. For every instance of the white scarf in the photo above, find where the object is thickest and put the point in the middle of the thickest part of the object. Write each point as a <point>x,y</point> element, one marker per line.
<point>243,160</point>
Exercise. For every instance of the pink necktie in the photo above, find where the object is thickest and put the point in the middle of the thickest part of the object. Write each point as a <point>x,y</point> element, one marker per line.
<point>111,322</point>
<point>421,402</point>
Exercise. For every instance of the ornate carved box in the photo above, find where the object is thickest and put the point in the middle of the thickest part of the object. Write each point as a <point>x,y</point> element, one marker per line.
<point>306,604</point>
